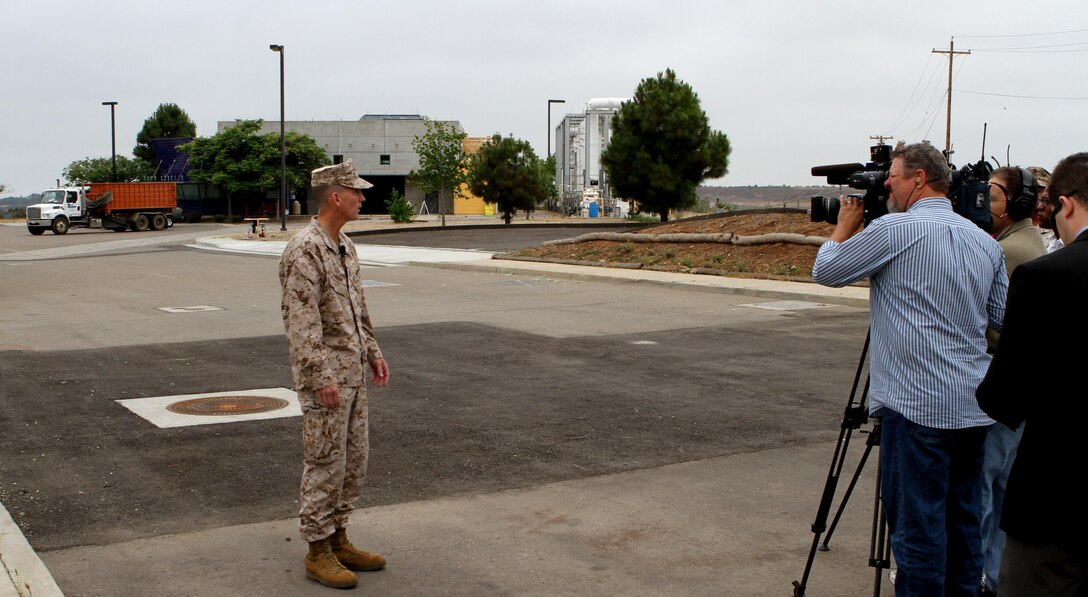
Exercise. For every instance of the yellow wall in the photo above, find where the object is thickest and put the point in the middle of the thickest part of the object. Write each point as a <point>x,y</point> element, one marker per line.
<point>466,203</point>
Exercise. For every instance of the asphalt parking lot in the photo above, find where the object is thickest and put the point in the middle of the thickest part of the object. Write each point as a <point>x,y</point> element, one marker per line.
<point>696,424</point>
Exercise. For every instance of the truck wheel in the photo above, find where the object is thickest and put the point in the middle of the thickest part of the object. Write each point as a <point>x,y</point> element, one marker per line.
<point>36,231</point>
<point>60,225</point>
<point>169,221</point>
<point>158,222</point>
<point>139,223</point>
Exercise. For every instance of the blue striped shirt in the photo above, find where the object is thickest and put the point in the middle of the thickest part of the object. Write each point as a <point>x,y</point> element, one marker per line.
<point>936,282</point>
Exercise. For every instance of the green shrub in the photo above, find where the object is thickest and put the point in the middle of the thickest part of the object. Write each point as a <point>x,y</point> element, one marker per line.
<point>400,211</point>
<point>644,218</point>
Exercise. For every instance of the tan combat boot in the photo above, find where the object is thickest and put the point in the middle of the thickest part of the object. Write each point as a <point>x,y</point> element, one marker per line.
<point>322,566</point>
<point>353,558</point>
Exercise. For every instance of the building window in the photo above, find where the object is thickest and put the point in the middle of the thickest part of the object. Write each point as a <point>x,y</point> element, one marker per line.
<point>384,158</point>
<point>337,159</point>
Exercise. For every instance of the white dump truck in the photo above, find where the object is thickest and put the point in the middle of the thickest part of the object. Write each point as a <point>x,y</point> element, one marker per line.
<point>116,206</point>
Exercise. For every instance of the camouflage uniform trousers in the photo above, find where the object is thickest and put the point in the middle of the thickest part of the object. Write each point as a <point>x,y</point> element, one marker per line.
<point>335,444</point>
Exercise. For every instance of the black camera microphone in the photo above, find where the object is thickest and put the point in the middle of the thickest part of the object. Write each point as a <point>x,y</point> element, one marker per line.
<point>343,251</point>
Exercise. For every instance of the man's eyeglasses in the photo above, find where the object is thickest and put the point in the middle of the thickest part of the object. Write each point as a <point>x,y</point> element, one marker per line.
<point>1056,206</point>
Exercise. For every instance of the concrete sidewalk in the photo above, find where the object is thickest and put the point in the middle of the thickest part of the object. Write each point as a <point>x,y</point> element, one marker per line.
<point>482,261</point>
<point>735,525</point>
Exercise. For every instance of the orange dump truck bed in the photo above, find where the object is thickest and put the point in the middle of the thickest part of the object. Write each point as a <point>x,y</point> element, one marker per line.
<point>135,195</point>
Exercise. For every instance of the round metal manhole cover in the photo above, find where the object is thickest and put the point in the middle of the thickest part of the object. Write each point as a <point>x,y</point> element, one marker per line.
<point>227,405</point>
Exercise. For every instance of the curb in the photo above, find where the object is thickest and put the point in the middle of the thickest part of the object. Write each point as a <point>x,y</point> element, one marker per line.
<point>393,230</point>
<point>850,296</point>
<point>24,574</point>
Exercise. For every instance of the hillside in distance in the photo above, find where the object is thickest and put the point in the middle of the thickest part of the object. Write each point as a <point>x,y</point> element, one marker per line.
<point>752,197</point>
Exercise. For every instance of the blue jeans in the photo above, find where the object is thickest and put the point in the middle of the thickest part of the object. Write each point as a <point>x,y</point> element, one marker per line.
<point>999,451</point>
<point>930,488</point>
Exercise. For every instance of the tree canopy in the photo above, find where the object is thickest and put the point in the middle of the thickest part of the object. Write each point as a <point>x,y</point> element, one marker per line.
<point>168,121</point>
<point>238,160</point>
<point>662,147</point>
<point>507,173</point>
<point>101,170</point>
<point>441,160</point>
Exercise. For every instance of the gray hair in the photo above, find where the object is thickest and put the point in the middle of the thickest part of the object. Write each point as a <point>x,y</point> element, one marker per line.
<point>927,158</point>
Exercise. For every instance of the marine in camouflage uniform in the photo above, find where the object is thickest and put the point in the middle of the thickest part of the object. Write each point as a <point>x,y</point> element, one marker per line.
<point>331,338</point>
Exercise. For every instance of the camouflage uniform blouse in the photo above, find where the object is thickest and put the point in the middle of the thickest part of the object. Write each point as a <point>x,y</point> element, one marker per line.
<point>324,312</point>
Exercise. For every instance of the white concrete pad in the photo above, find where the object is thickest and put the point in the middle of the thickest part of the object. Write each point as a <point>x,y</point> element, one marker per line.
<point>786,305</point>
<point>155,409</point>
<point>191,309</point>
<point>373,255</point>
<point>376,284</point>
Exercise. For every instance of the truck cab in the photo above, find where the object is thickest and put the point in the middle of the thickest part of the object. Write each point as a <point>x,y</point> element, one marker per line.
<point>59,209</point>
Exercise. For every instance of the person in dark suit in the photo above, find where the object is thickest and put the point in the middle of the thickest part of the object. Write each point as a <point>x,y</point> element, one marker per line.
<point>1044,514</point>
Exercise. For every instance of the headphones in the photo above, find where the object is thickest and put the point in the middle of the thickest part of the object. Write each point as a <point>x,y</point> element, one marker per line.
<point>1021,206</point>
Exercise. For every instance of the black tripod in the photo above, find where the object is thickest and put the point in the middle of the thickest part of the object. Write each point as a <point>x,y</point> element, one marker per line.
<point>855,415</point>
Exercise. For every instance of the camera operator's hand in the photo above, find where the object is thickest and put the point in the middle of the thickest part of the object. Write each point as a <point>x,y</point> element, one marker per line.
<point>851,213</point>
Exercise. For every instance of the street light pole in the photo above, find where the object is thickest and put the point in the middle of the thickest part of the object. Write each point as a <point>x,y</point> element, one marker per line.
<point>550,102</point>
<point>283,148</point>
<point>113,139</point>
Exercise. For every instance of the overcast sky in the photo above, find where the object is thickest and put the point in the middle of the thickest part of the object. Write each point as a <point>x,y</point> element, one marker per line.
<point>793,84</point>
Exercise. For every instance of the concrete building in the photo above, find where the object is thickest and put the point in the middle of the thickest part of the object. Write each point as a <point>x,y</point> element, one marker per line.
<point>379,144</point>
<point>579,141</point>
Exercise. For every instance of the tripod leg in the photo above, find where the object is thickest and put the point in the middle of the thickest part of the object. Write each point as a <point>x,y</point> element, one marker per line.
<point>846,496</point>
<point>880,544</point>
<point>853,417</point>
<point>820,524</point>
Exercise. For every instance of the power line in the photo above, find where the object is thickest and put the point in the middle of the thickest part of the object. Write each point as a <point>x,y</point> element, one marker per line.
<point>911,104</point>
<point>1042,97</point>
<point>1078,43</point>
<point>1020,34</point>
<point>1031,51</point>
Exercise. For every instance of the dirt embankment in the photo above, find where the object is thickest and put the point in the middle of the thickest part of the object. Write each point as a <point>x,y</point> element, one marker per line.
<point>726,257</point>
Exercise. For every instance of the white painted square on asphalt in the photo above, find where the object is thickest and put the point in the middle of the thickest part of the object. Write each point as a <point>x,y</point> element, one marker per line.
<point>192,309</point>
<point>786,305</point>
<point>156,409</point>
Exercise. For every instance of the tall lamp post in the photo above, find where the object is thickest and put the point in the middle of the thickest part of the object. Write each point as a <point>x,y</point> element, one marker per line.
<point>283,148</point>
<point>550,102</point>
<point>113,138</point>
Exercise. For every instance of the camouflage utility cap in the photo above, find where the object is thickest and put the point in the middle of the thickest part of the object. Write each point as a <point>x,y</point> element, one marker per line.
<point>1042,177</point>
<point>343,174</point>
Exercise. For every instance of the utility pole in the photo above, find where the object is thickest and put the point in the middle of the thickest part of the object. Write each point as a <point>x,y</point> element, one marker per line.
<point>951,51</point>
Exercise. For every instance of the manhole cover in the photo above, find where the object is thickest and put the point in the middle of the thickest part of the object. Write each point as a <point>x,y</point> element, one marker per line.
<point>227,405</point>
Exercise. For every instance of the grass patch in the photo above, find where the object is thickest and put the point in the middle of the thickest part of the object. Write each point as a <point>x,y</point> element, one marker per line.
<point>783,269</point>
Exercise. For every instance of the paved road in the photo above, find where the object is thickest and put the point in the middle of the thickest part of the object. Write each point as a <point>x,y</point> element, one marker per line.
<point>16,241</point>
<point>559,436</point>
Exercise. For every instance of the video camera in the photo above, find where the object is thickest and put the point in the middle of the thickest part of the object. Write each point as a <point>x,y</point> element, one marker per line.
<point>968,190</point>
<point>869,178</point>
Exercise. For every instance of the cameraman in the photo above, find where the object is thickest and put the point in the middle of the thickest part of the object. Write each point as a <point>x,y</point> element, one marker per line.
<point>937,282</point>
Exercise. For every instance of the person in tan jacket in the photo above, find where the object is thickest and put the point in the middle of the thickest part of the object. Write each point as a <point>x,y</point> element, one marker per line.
<point>331,338</point>
<point>1013,196</point>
